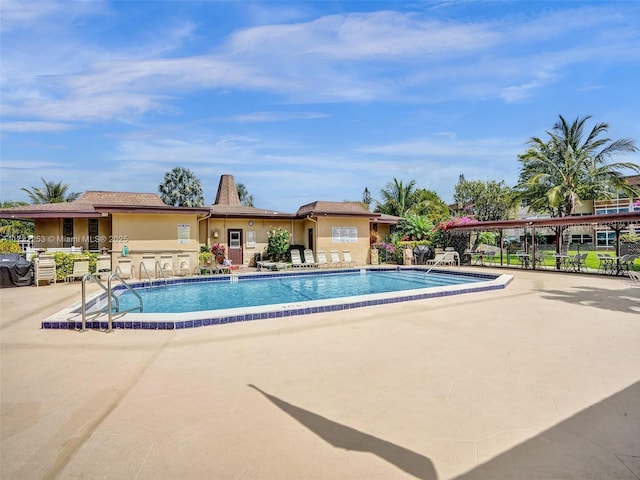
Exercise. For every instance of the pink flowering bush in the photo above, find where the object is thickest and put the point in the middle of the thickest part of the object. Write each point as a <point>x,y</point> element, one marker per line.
<point>442,235</point>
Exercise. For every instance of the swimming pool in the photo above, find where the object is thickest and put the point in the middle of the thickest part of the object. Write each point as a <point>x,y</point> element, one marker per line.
<point>201,301</point>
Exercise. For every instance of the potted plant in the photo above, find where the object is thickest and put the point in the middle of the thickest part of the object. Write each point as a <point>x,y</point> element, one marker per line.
<point>219,252</point>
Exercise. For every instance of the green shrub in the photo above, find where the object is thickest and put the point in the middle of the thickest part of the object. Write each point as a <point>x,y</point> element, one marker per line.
<point>9,246</point>
<point>64,263</point>
<point>278,244</point>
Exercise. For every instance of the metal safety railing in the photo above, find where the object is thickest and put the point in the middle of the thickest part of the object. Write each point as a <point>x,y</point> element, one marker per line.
<point>160,271</point>
<point>445,258</point>
<point>110,299</point>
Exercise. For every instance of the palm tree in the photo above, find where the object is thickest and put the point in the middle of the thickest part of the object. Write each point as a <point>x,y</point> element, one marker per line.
<point>398,198</point>
<point>243,195</point>
<point>181,188</point>
<point>51,193</point>
<point>568,168</point>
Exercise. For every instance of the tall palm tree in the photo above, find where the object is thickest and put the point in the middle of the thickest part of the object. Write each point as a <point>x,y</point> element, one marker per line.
<point>398,198</point>
<point>181,188</point>
<point>243,195</point>
<point>558,173</point>
<point>51,193</point>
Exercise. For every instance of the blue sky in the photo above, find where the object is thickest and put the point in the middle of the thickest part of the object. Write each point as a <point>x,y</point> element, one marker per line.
<point>303,101</point>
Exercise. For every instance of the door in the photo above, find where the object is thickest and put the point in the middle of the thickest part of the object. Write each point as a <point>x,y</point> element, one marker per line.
<point>310,238</point>
<point>235,247</point>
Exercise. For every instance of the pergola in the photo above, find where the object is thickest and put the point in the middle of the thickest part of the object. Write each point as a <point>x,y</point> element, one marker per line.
<point>614,221</point>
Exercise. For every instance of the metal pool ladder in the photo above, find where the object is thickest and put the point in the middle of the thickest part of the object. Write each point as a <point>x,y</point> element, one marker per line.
<point>456,257</point>
<point>110,297</point>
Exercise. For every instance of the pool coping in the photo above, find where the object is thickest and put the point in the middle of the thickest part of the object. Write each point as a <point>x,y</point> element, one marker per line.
<point>70,318</point>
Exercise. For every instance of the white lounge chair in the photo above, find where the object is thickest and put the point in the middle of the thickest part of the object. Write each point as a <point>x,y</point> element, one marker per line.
<point>346,255</point>
<point>184,267</point>
<point>321,259</point>
<point>335,259</point>
<point>166,264</point>
<point>308,258</point>
<point>296,259</point>
<point>124,268</point>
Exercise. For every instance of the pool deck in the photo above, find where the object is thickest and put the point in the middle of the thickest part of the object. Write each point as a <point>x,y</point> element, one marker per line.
<point>540,380</point>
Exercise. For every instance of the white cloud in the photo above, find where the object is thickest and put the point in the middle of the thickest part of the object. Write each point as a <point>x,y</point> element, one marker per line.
<point>35,127</point>
<point>379,56</point>
<point>262,117</point>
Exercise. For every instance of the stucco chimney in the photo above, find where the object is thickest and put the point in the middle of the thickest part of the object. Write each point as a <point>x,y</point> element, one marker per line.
<point>227,192</point>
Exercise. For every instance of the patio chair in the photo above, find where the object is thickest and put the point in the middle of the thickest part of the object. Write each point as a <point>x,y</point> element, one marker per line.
<point>45,269</point>
<point>348,261</point>
<point>80,269</point>
<point>103,266</point>
<point>321,259</point>
<point>540,259</point>
<point>605,264</point>
<point>335,258</point>
<point>166,264</point>
<point>224,267</point>
<point>439,259</point>
<point>184,267</point>
<point>308,258</point>
<point>296,260</point>
<point>634,279</point>
<point>488,257</point>
<point>626,263</point>
<point>124,268</point>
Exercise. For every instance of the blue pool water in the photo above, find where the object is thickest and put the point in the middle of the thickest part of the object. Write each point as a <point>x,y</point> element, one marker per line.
<point>218,294</point>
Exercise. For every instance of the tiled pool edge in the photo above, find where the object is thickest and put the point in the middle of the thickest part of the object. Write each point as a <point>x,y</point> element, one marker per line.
<point>142,321</point>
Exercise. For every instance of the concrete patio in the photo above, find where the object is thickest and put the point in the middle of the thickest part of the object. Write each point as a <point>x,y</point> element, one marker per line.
<point>540,380</point>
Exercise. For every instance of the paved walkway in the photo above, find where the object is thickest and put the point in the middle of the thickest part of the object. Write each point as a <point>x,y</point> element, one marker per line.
<point>537,381</point>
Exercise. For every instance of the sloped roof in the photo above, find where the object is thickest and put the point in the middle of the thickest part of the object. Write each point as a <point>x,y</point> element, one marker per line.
<point>633,179</point>
<point>93,203</point>
<point>242,211</point>
<point>227,192</point>
<point>335,208</point>
<point>96,197</point>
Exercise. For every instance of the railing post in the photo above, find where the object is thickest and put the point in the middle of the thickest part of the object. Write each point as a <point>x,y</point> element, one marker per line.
<point>84,304</point>
<point>109,318</point>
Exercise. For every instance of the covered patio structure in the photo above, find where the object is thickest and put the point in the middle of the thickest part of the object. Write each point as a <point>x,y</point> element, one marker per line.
<point>617,222</point>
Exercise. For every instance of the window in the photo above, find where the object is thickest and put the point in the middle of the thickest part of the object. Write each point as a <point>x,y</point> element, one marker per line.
<point>581,238</point>
<point>344,234</point>
<point>67,232</point>
<point>234,239</point>
<point>93,234</point>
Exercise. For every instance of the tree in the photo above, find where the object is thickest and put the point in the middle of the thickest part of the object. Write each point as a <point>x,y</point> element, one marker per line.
<point>15,228</point>
<point>243,194</point>
<point>181,188</point>
<point>485,201</point>
<point>51,193</point>
<point>558,173</point>
<point>366,198</point>
<point>429,204</point>
<point>398,198</point>
<point>414,227</point>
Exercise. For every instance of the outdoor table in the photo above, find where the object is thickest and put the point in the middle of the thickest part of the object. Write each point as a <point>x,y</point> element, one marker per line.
<point>524,259</point>
<point>563,260</point>
<point>477,257</point>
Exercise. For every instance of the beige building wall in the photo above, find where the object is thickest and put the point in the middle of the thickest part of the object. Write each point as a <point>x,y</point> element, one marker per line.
<point>47,233</point>
<point>155,234</point>
<point>358,245</point>
<point>257,229</point>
